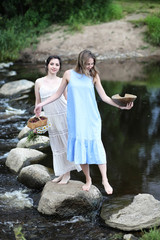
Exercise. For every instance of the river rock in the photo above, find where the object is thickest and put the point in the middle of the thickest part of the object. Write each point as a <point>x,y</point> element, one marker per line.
<point>69,200</point>
<point>143,212</point>
<point>129,237</point>
<point>11,73</point>
<point>21,157</point>
<point>5,65</point>
<point>24,132</point>
<point>15,87</point>
<point>34,176</point>
<point>40,142</point>
<point>25,96</point>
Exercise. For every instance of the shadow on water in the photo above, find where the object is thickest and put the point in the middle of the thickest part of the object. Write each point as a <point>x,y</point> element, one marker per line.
<point>131,139</point>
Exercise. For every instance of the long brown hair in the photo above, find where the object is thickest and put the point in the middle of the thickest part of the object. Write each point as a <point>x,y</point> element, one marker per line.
<point>80,67</point>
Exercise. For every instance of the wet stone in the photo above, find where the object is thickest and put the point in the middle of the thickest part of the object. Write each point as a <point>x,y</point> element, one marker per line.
<point>143,212</point>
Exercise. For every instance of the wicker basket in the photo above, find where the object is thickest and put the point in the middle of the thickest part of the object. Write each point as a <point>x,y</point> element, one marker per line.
<point>37,122</point>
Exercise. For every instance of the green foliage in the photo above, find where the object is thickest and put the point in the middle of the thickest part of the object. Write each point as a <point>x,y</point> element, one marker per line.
<point>12,8</point>
<point>153,32</point>
<point>143,6</point>
<point>18,233</point>
<point>31,136</point>
<point>9,40</point>
<point>114,11</point>
<point>18,33</point>
<point>88,13</point>
<point>153,234</point>
<point>96,13</point>
<point>117,236</point>
<point>22,22</point>
<point>56,11</point>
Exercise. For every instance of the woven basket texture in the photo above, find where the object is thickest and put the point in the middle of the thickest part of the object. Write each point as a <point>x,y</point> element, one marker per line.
<point>37,122</point>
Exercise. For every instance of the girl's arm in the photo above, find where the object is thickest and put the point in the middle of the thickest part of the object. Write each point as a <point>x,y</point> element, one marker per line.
<point>36,91</point>
<point>56,95</point>
<point>104,96</point>
<point>65,93</point>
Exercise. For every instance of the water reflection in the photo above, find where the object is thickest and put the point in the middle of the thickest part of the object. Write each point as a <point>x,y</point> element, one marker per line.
<point>131,139</point>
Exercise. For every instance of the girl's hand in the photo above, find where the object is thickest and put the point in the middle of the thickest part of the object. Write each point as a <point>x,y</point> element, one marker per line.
<point>128,106</point>
<point>37,110</point>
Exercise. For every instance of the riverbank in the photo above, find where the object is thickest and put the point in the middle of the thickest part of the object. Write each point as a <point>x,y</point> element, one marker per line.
<point>110,41</point>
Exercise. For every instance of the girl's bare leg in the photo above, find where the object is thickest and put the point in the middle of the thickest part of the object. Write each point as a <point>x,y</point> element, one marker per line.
<point>107,186</point>
<point>65,178</point>
<point>85,169</point>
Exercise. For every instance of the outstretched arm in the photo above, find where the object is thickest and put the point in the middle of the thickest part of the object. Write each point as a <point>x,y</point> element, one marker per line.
<point>106,98</point>
<point>56,95</point>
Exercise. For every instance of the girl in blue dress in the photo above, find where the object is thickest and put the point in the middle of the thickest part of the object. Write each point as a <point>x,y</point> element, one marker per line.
<point>84,145</point>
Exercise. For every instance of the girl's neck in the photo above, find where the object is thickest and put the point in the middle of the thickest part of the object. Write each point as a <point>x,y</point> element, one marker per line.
<point>51,76</point>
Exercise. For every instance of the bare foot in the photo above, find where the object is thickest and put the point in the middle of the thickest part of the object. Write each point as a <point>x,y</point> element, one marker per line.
<point>87,186</point>
<point>58,179</point>
<point>107,187</point>
<point>65,178</point>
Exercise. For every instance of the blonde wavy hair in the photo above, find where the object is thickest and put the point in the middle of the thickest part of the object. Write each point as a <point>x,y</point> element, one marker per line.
<point>80,67</point>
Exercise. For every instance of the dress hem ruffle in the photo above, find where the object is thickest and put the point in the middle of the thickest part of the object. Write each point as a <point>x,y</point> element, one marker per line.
<point>61,165</point>
<point>86,151</point>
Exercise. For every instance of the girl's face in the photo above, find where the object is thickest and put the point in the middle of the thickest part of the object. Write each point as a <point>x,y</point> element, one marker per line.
<point>89,64</point>
<point>53,66</point>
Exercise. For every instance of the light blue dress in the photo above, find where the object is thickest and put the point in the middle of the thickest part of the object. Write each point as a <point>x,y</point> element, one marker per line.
<point>84,122</point>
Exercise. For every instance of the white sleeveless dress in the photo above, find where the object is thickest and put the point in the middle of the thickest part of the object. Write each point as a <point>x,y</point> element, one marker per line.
<point>58,132</point>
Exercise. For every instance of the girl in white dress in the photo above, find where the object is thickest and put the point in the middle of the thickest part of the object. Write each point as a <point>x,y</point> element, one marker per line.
<point>57,120</point>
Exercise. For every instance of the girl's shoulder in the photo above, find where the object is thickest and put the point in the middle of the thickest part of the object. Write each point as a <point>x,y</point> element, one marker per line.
<point>68,72</point>
<point>67,75</point>
<point>39,81</point>
<point>96,78</point>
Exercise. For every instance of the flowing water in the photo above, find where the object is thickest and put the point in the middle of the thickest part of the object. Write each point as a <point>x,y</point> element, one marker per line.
<point>131,139</point>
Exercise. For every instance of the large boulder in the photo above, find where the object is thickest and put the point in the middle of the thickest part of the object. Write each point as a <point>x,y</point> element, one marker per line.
<point>69,200</point>
<point>40,142</point>
<point>16,87</point>
<point>21,157</point>
<point>143,212</point>
<point>34,176</point>
<point>24,132</point>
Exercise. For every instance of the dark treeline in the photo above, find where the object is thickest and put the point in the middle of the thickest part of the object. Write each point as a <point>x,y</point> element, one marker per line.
<point>53,10</point>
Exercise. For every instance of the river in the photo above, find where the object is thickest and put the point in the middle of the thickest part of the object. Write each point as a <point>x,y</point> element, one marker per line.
<point>131,139</point>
